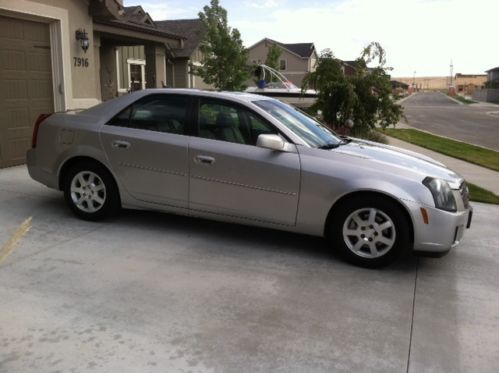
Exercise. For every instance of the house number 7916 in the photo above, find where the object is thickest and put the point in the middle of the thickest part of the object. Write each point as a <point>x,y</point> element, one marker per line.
<point>80,62</point>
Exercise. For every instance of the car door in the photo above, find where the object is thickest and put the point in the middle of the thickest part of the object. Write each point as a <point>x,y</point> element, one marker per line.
<point>230,175</point>
<point>146,146</point>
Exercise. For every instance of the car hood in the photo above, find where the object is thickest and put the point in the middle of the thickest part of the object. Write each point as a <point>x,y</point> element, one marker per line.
<point>397,157</point>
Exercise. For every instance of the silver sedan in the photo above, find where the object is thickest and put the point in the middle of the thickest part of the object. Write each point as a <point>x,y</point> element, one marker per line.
<point>243,158</point>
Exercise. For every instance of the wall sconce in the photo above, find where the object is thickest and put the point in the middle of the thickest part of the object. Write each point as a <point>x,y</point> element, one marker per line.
<point>82,37</point>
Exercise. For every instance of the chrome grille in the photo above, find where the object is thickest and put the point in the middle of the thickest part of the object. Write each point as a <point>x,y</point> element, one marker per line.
<point>465,194</point>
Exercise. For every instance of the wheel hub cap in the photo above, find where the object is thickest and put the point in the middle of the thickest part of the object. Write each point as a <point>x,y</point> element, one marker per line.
<point>369,232</point>
<point>88,191</point>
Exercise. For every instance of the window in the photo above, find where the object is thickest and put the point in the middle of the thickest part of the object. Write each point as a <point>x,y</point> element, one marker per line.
<point>282,65</point>
<point>303,125</point>
<point>161,113</point>
<point>222,121</point>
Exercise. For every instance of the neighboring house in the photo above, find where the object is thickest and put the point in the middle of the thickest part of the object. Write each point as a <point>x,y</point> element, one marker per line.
<point>349,67</point>
<point>493,77</point>
<point>65,54</point>
<point>468,83</point>
<point>399,88</point>
<point>179,66</point>
<point>295,62</point>
<point>491,91</point>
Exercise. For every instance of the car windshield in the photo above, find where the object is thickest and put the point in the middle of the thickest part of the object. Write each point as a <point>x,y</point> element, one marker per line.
<point>304,126</point>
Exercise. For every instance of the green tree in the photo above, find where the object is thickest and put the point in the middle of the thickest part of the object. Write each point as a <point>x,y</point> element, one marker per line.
<point>224,56</point>
<point>363,98</point>
<point>273,54</point>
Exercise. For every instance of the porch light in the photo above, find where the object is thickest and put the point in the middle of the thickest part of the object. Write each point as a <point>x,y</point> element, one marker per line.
<point>82,37</point>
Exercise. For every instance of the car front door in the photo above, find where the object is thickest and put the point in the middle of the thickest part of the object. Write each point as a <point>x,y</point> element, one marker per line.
<point>146,146</point>
<point>231,176</point>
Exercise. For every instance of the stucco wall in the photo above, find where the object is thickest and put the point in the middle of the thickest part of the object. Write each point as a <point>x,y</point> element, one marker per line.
<point>83,77</point>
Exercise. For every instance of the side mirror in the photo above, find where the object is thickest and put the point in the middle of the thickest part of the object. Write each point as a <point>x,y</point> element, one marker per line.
<point>273,142</point>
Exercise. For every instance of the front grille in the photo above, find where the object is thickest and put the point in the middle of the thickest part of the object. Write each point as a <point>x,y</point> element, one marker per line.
<point>465,194</point>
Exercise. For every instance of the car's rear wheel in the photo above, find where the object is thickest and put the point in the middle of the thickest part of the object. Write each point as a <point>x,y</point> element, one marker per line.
<point>369,231</point>
<point>90,191</point>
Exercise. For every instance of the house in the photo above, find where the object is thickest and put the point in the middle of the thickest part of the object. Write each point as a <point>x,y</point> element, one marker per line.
<point>296,60</point>
<point>71,54</point>
<point>493,77</point>
<point>491,91</point>
<point>179,66</point>
<point>466,84</point>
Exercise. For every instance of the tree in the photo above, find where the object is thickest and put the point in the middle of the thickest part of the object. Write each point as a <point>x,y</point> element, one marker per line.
<point>224,56</point>
<point>364,97</point>
<point>273,54</point>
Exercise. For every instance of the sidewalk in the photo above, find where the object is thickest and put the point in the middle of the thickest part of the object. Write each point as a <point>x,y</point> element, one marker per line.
<point>478,175</point>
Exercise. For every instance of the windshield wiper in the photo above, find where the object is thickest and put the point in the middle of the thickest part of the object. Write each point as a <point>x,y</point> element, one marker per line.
<point>329,145</point>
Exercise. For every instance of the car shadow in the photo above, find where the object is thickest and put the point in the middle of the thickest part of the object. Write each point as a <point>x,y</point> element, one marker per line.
<point>263,240</point>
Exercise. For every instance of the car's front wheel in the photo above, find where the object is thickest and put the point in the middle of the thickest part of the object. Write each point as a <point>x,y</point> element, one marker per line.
<point>90,191</point>
<point>369,231</point>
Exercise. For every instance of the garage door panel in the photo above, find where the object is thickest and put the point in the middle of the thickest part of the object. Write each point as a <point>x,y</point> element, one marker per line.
<point>11,28</point>
<point>36,32</point>
<point>39,89</point>
<point>14,89</point>
<point>26,80</point>
<point>12,60</point>
<point>39,61</point>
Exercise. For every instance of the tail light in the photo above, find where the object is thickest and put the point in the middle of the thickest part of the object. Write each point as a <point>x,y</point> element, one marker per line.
<point>39,121</point>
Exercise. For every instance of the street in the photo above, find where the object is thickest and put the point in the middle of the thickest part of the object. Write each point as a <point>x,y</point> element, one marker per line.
<point>435,112</point>
<point>151,292</point>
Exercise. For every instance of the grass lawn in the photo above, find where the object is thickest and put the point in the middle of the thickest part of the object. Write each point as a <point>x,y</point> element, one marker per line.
<point>469,153</point>
<point>478,194</point>
<point>464,100</point>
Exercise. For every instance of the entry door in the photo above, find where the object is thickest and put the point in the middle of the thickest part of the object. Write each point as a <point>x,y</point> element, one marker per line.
<point>25,85</point>
<point>231,176</point>
<point>147,149</point>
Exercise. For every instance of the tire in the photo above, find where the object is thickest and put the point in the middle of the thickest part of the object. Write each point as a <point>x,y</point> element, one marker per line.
<point>369,231</point>
<point>90,191</point>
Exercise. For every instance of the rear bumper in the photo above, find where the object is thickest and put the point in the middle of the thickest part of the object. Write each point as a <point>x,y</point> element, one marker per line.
<point>443,232</point>
<point>39,173</point>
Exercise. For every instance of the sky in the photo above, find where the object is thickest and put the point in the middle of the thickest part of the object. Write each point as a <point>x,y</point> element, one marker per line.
<point>420,37</point>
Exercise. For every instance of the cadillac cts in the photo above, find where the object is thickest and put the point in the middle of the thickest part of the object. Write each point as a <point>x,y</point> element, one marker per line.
<point>243,158</point>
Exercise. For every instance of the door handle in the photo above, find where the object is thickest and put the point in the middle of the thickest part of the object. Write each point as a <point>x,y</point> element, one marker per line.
<point>204,159</point>
<point>120,144</point>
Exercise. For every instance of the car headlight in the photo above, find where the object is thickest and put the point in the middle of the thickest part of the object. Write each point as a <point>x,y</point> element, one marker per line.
<point>442,194</point>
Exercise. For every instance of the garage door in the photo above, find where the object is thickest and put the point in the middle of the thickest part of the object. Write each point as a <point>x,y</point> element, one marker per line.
<point>25,85</point>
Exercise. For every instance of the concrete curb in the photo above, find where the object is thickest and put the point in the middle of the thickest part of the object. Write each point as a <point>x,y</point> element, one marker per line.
<point>452,99</point>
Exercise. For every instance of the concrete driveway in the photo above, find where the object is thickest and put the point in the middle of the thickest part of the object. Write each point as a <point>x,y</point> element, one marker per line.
<point>150,292</point>
<point>437,113</point>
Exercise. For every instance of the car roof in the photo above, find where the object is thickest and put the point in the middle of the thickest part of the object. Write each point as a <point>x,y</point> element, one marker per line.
<point>109,108</point>
<point>235,95</point>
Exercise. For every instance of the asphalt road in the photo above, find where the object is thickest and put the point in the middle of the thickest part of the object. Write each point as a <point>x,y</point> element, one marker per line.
<point>150,292</point>
<point>436,113</point>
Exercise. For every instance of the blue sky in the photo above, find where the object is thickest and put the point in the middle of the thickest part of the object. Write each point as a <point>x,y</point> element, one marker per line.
<point>421,36</point>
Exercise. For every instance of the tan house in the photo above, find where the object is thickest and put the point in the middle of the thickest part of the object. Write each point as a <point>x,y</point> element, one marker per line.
<point>296,59</point>
<point>467,84</point>
<point>69,54</point>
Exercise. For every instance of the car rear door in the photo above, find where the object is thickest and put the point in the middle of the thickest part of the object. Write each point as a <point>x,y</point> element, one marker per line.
<point>231,176</point>
<point>146,146</point>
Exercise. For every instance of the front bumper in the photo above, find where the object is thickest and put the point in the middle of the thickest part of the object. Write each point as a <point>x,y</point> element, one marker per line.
<point>444,230</point>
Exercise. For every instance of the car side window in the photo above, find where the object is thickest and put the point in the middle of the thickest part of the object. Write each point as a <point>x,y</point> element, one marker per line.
<point>219,120</point>
<point>161,113</point>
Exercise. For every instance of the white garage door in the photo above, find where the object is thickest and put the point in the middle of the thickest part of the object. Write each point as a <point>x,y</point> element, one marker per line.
<point>25,85</point>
